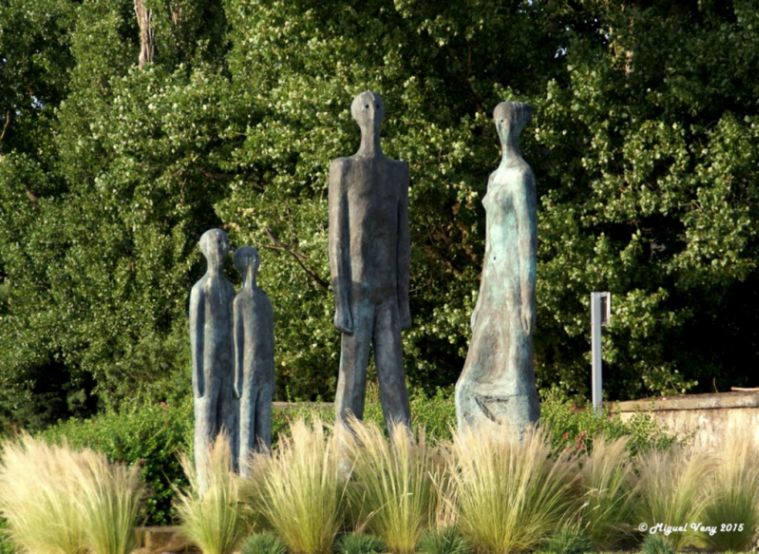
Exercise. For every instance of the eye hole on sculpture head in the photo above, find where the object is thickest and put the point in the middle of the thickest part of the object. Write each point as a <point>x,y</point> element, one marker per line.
<point>366,106</point>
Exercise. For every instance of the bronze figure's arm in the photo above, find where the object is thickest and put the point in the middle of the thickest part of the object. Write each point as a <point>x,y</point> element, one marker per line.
<point>526,212</point>
<point>239,346</point>
<point>339,246</point>
<point>404,252</point>
<point>197,323</point>
<point>473,317</point>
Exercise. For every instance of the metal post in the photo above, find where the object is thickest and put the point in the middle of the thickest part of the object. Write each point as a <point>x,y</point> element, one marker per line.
<point>598,317</point>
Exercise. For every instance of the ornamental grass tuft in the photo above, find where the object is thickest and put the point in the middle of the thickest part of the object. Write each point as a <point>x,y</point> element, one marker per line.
<point>214,519</point>
<point>509,495</point>
<point>109,500</point>
<point>37,499</point>
<point>732,507</point>
<point>671,491</point>
<point>60,501</point>
<point>607,481</point>
<point>299,490</point>
<point>393,486</point>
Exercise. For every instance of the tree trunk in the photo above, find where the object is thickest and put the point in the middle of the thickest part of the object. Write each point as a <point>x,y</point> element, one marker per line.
<point>147,35</point>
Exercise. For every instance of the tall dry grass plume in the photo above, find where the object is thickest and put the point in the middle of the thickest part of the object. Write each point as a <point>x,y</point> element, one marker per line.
<point>393,484</point>
<point>509,495</point>
<point>300,490</point>
<point>109,501</point>
<point>214,518</point>
<point>672,490</point>
<point>607,479</point>
<point>733,497</point>
<point>60,501</point>
<point>37,500</point>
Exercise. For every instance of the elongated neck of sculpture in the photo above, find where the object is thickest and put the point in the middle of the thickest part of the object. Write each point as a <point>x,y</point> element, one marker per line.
<point>250,278</point>
<point>510,152</point>
<point>370,143</point>
<point>213,271</point>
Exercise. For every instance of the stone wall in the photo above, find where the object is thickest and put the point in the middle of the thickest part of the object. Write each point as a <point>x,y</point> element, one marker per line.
<point>704,417</point>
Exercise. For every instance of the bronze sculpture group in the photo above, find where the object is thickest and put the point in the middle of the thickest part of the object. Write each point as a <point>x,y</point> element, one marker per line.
<point>232,336</point>
<point>232,341</point>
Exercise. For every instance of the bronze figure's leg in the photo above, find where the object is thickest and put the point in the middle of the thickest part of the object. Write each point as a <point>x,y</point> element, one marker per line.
<point>354,356</point>
<point>263,417</point>
<point>389,358</point>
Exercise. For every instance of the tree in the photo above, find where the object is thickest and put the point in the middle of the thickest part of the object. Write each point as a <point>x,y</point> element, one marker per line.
<point>642,143</point>
<point>34,61</point>
<point>654,196</point>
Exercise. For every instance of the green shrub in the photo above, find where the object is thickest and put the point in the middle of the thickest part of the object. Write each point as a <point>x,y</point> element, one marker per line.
<point>656,544</point>
<point>435,414</point>
<point>266,542</point>
<point>6,545</point>
<point>569,540</point>
<point>149,435</point>
<point>574,426</point>
<point>359,543</point>
<point>283,418</point>
<point>444,541</point>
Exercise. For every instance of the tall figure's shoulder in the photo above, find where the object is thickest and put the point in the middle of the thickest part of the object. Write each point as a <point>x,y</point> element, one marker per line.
<point>339,167</point>
<point>400,172</point>
<point>197,292</point>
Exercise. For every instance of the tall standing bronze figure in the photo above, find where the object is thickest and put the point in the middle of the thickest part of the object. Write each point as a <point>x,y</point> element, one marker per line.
<point>254,358</point>
<point>369,264</point>
<point>497,384</point>
<point>216,405</point>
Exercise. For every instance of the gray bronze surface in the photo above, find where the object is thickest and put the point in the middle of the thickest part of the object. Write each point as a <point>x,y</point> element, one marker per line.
<point>254,358</point>
<point>216,406</point>
<point>369,264</point>
<point>497,384</point>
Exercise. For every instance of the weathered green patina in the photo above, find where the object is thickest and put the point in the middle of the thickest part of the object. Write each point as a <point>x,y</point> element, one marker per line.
<point>497,384</point>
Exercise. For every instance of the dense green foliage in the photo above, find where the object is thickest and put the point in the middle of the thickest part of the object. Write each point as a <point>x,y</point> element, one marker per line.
<point>643,143</point>
<point>574,427</point>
